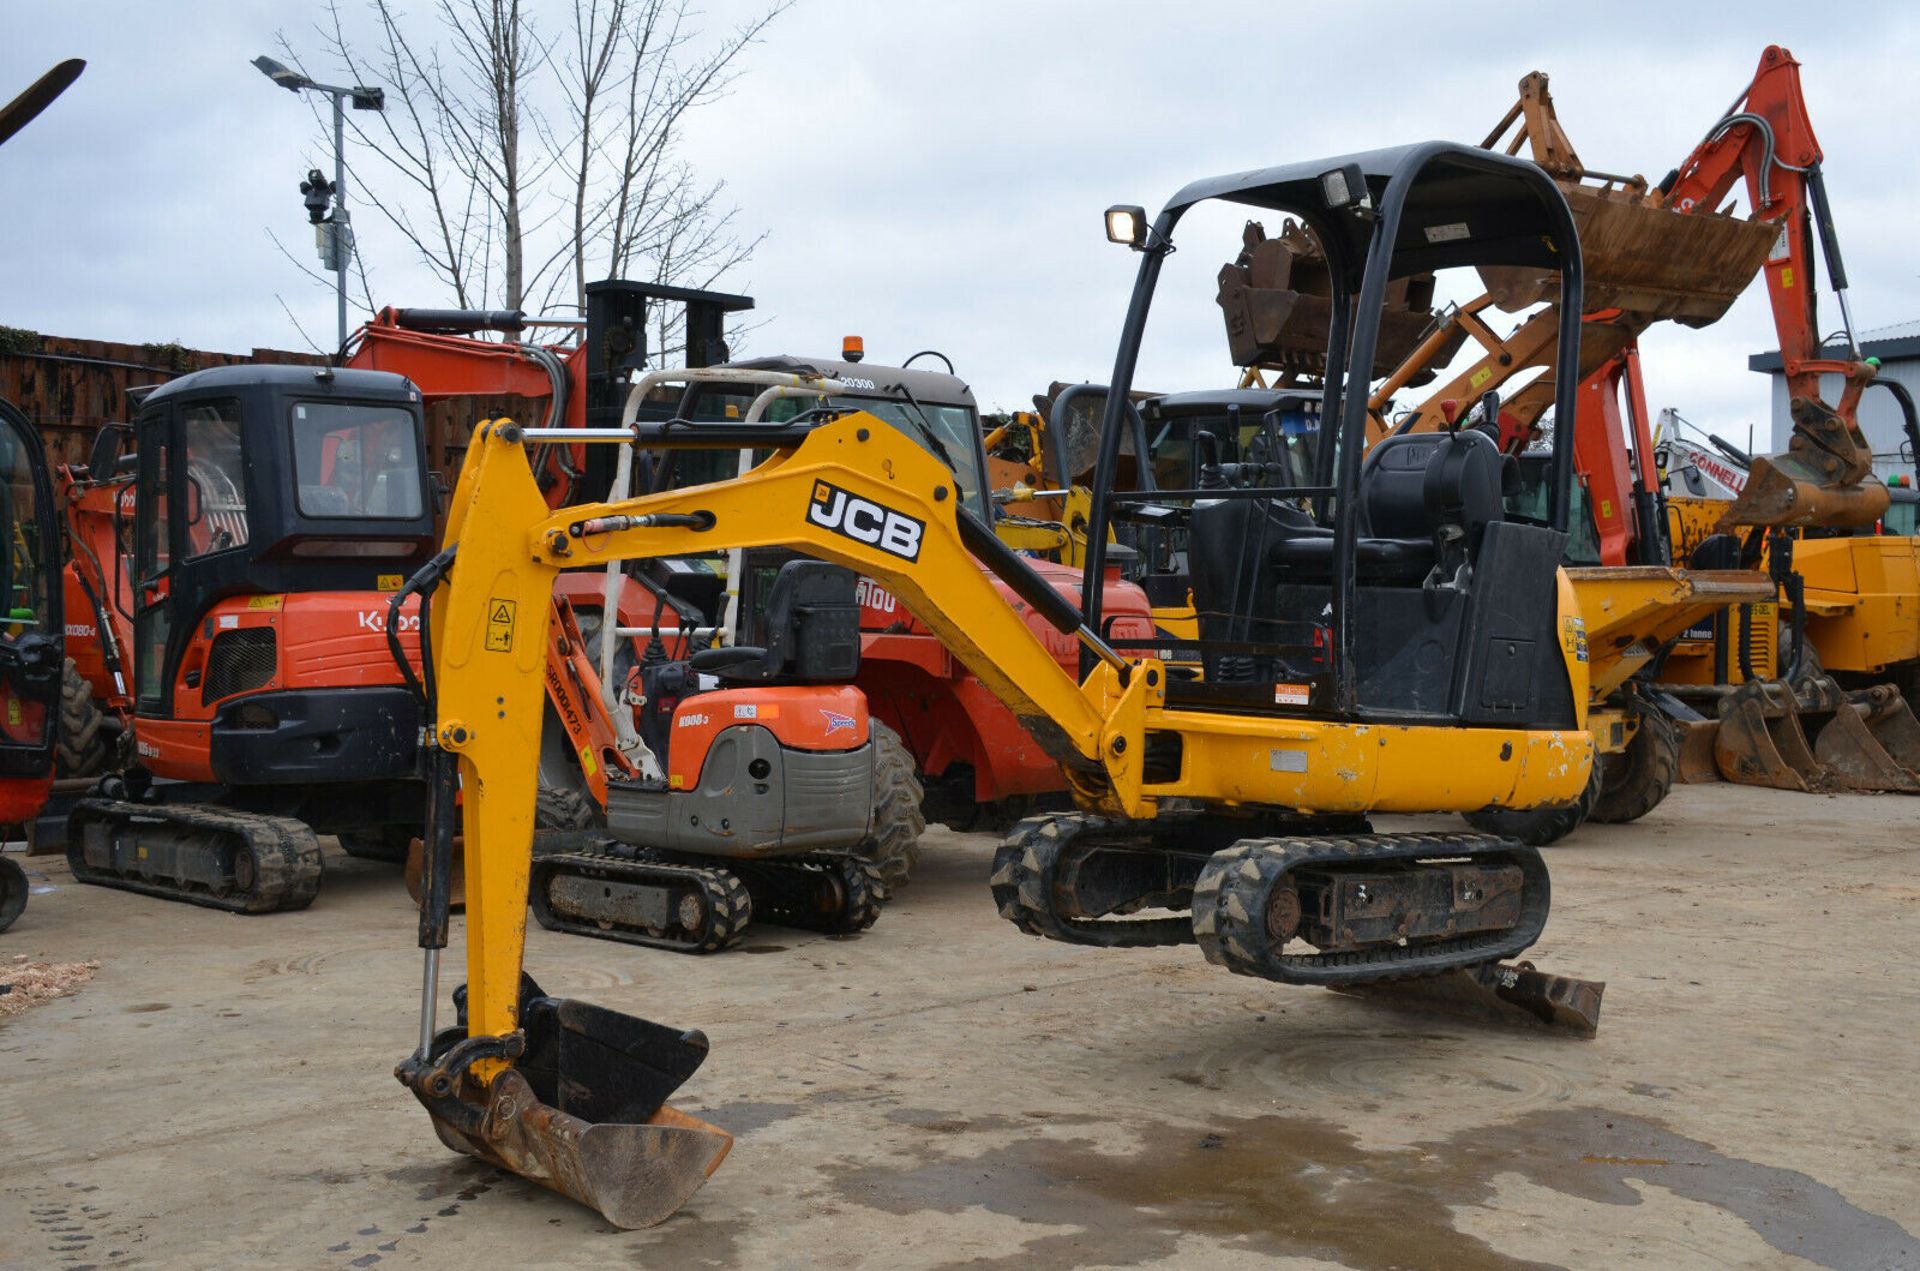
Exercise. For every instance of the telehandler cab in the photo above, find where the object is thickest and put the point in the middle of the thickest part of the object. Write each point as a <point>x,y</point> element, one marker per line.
<point>1383,638</point>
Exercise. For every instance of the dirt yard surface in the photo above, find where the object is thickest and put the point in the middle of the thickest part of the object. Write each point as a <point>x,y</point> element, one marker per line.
<point>943,1090</point>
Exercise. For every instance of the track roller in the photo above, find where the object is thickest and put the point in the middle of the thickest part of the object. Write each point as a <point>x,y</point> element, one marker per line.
<point>243,862</point>
<point>1076,878</point>
<point>835,894</point>
<point>1368,907</point>
<point>640,900</point>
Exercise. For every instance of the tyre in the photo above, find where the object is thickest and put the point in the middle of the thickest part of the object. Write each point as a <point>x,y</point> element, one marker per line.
<point>13,891</point>
<point>82,744</point>
<point>893,841</point>
<point>563,808</point>
<point>1539,827</point>
<point>387,843</point>
<point>1633,782</point>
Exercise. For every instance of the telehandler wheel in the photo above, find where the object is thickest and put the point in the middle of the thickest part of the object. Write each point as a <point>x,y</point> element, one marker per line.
<point>13,892</point>
<point>893,844</point>
<point>1633,782</point>
<point>1539,827</point>
<point>81,746</point>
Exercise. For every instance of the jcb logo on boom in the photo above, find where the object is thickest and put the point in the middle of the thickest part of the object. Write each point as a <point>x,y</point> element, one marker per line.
<point>865,521</point>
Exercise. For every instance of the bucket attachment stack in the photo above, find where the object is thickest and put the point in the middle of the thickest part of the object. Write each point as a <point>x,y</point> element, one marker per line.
<point>1816,737</point>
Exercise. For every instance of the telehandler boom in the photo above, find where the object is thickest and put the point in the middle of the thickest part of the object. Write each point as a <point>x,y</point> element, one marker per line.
<point>1386,638</point>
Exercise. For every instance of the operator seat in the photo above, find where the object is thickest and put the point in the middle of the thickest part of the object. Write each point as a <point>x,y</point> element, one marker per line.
<point>1424,503</point>
<point>809,631</point>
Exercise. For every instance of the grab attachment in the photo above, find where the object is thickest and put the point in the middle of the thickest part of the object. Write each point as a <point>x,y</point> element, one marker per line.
<point>581,1109</point>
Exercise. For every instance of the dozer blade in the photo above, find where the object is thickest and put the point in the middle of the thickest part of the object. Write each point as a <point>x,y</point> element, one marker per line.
<point>1760,742</point>
<point>582,1108</point>
<point>1498,993</point>
<point>1698,738</point>
<point>1872,743</point>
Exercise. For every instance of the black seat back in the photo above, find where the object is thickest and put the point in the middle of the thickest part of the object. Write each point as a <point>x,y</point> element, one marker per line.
<point>1465,484</point>
<point>809,630</point>
<point>1393,486</point>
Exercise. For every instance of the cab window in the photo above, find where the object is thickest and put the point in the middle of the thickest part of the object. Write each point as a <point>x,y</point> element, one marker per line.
<point>356,462</point>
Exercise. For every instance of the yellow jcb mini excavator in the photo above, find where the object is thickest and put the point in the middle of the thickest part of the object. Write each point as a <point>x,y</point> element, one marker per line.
<point>1382,638</point>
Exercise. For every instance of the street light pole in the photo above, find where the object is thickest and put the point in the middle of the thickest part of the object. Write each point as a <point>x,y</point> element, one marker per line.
<point>339,248</point>
<point>343,246</point>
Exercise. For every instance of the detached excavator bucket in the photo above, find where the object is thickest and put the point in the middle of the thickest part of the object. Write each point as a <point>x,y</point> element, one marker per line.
<point>1698,763</point>
<point>578,1106</point>
<point>1759,741</point>
<point>1872,742</point>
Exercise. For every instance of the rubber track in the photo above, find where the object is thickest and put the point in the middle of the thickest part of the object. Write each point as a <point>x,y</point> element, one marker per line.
<point>1230,907</point>
<point>286,854</point>
<point>858,882</point>
<point>727,906</point>
<point>1024,869</point>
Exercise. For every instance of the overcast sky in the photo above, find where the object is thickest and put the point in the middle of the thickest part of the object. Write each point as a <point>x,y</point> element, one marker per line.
<point>932,176</point>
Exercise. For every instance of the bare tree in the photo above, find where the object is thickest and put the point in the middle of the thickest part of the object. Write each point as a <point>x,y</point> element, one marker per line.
<point>521,165</point>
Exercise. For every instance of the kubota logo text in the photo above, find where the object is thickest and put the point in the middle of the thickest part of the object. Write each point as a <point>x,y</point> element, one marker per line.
<point>865,521</point>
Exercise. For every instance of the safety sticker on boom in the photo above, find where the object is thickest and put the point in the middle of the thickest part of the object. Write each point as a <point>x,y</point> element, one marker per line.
<point>865,521</point>
<point>500,625</point>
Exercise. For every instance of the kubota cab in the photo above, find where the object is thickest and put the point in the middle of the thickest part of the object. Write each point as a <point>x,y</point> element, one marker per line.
<point>274,510</point>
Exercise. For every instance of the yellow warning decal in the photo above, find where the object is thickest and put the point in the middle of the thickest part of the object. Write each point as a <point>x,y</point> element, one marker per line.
<point>387,582</point>
<point>1480,376</point>
<point>587,763</point>
<point>265,602</point>
<point>1786,276</point>
<point>500,625</point>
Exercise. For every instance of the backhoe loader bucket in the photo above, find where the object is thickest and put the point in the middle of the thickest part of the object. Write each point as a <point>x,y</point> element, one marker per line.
<point>1276,297</point>
<point>581,1108</point>
<point>1651,261</point>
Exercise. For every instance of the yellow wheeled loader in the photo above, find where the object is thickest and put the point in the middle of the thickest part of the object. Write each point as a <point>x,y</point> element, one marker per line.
<point>1401,644</point>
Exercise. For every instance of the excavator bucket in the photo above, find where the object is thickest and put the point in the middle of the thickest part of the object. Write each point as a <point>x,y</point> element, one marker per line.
<point>1866,740</point>
<point>1872,742</point>
<point>1759,741</point>
<point>1650,261</point>
<point>1276,297</point>
<point>1782,490</point>
<point>582,1109</point>
<point>1698,763</point>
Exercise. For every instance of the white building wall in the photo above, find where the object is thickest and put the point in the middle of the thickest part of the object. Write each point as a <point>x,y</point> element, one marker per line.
<point>1879,416</point>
